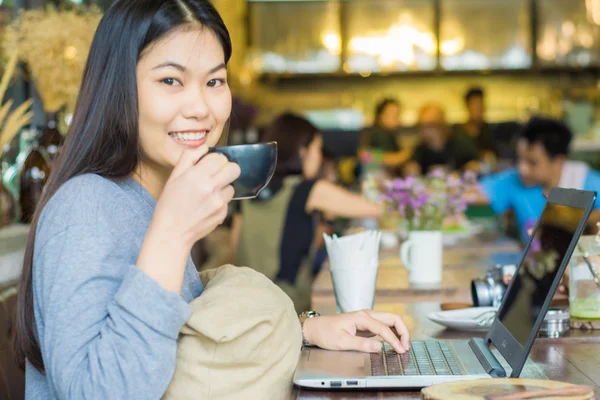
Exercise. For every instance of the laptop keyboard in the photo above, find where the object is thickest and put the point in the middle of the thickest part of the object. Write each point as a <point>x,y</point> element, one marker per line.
<point>428,357</point>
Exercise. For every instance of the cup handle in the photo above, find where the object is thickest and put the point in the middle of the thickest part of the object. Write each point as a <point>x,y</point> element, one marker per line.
<point>405,254</point>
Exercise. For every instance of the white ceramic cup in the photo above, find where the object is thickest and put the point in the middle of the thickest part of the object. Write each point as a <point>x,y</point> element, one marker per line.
<point>421,255</point>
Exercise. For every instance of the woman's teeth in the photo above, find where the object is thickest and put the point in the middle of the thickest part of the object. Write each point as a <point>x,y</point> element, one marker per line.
<point>188,136</point>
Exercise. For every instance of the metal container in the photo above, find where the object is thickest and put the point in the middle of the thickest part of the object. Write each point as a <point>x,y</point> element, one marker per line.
<point>555,323</point>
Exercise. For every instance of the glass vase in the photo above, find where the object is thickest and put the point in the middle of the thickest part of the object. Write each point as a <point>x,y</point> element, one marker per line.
<point>584,293</point>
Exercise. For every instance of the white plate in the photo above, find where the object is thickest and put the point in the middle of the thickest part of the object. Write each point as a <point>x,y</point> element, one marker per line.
<point>464,319</point>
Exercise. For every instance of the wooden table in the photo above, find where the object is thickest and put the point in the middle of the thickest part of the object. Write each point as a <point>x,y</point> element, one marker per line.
<point>462,263</point>
<point>573,358</point>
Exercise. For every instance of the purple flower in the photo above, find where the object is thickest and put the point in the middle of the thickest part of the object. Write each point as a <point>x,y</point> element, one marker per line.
<point>386,198</point>
<point>401,198</point>
<point>437,173</point>
<point>454,182</point>
<point>536,245</point>
<point>402,184</point>
<point>419,188</point>
<point>396,184</point>
<point>457,205</point>
<point>426,201</point>
<point>419,201</point>
<point>470,178</point>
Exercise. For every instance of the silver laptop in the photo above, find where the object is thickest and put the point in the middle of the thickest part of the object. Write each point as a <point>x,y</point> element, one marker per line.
<point>512,332</point>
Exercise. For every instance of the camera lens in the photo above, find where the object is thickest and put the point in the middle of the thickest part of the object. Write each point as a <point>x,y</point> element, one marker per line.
<point>481,293</point>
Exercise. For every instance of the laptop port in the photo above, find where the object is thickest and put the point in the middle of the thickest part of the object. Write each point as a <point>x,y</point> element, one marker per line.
<point>335,384</point>
<point>352,383</point>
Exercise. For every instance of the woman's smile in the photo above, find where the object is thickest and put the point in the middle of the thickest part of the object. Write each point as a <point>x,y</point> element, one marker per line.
<point>190,138</point>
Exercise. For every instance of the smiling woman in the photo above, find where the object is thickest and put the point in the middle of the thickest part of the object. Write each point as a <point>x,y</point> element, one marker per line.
<point>107,277</point>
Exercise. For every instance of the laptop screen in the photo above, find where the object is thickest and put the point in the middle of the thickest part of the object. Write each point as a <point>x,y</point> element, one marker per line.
<point>524,301</point>
<point>529,294</point>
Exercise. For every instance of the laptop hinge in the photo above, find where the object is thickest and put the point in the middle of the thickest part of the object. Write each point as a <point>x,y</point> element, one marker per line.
<point>486,358</point>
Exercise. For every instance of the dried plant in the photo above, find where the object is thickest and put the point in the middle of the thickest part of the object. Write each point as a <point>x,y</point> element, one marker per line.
<point>11,123</point>
<point>54,44</point>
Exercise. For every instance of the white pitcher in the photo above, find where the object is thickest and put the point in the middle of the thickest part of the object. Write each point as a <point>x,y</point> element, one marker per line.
<point>421,255</point>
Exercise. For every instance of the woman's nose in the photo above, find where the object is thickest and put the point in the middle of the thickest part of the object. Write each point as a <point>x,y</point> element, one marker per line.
<point>196,106</point>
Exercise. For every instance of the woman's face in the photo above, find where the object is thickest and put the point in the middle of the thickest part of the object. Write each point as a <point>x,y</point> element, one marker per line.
<point>390,117</point>
<point>312,157</point>
<point>184,101</point>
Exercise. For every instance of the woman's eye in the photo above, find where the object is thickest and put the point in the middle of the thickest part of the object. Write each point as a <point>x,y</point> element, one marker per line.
<point>216,82</point>
<point>171,82</point>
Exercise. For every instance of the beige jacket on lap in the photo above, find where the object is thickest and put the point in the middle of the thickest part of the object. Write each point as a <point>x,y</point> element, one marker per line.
<point>242,341</point>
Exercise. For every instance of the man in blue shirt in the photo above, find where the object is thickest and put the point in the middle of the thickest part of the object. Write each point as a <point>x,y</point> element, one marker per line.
<point>542,150</point>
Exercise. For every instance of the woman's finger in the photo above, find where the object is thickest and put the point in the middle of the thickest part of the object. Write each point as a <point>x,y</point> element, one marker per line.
<point>350,342</point>
<point>395,321</point>
<point>366,322</point>
<point>226,175</point>
<point>218,201</point>
<point>212,163</point>
<point>227,193</point>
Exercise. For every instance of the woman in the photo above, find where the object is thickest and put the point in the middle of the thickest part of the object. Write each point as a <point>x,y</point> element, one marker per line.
<point>382,136</point>
<point>277,231</point>
<point>107,276</point>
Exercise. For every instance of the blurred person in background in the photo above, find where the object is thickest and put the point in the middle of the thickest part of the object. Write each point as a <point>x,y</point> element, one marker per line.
<point>476,128</point>
<point>383,136</point>
<point>543,149</point>
<point>325,223</point>
<point>438,146</point>
<point>275,233</point>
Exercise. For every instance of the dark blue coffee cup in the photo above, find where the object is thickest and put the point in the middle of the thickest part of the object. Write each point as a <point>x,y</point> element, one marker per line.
<point>257,162</point>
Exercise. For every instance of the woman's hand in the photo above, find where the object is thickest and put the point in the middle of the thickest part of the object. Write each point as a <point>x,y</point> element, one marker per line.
<point>192,204</point>
<point>355,331</point>
<point>195,198</point>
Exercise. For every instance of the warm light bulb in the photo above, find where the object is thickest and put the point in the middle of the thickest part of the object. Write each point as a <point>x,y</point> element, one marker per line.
<point>332,42</point>
<point>70,53</point>
<point>452,46</point>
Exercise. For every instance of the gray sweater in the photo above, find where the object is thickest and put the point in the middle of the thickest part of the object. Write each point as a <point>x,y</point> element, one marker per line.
<point>106,329</point>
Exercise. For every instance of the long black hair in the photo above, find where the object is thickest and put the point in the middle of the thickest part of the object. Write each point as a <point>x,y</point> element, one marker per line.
<point>103,138</point>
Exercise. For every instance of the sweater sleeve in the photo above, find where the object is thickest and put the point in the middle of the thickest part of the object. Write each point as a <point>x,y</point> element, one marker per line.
<point>110,331</point>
